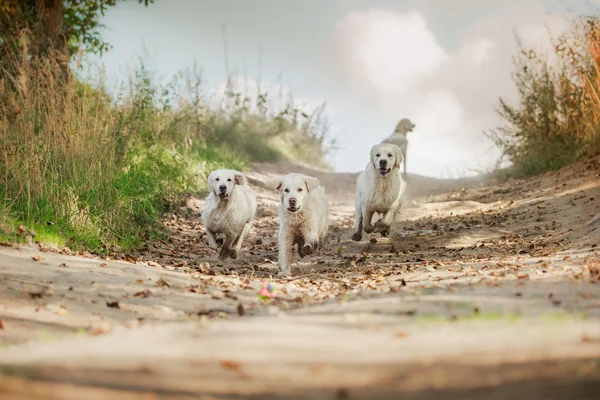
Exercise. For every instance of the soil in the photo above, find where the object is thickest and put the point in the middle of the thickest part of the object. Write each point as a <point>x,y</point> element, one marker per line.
<point>484,289</point>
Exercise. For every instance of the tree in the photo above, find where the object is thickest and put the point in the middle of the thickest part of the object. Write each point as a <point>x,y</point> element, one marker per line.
<point>58,27</point>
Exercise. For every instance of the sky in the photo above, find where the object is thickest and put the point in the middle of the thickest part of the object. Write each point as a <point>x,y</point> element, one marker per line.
<point>443,64</point>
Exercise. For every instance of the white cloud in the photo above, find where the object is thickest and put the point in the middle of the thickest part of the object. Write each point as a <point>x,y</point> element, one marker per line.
<point>387,50</point>
<point>396,60</point>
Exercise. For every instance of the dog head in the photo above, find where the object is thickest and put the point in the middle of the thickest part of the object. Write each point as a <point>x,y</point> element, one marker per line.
<point>222,182</point>
<point>386,156</point>
<point>293,189</point>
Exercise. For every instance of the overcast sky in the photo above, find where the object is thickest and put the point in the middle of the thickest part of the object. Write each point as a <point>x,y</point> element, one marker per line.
<point>441,63</point>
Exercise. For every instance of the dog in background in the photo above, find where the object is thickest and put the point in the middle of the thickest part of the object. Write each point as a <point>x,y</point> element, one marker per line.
<point>399,138</point>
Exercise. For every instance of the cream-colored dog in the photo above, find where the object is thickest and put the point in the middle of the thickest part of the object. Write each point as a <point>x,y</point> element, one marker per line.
<point>229,211</point>
<point>379,189</point>
<point>303,216</point>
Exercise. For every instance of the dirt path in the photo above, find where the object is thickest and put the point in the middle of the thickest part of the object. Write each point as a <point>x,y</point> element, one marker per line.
<point>482,291</point>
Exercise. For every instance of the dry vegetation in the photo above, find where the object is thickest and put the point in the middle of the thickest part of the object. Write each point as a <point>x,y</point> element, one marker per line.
<point>557,119</point>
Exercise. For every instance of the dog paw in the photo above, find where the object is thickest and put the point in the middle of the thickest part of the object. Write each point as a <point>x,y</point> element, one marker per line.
<point>380,226</point>
<point>283,274</point>
<point>385,233</point>
<point>224,253</point>
<point>369,229</point>
<point>308,249</point>
<point>219,242</point>
<point>357,237</point>
<point>233,254</point>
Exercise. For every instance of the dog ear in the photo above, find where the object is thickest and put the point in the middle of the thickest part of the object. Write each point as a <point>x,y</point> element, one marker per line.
<point>209,181</point>
<point>372,159</point>
<point>399,157</point>
<point>239,178</point>
<point>274,183</point>
<point>311,183</point>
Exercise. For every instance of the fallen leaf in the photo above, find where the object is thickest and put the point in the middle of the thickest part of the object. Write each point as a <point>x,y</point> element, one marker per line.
<point>63,265</point>
<point>140,281</point>
<point>144,294</point>
<point>37,258</point>
<point>1,325</point>
<point>240,310</point>
<point>231,365</point>
<point>217,294</point>
<point>401,334</point>
<point>104,265</point>
<point>113,304</point>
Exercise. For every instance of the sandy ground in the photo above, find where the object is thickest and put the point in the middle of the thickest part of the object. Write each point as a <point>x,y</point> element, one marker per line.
<point>483,290</point>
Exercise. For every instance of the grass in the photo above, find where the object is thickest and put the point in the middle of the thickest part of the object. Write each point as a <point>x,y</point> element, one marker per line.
<point>556,121</point>
<point>95,171</point>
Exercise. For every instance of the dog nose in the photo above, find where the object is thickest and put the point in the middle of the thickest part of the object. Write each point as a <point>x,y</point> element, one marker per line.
<point>292,201</point>
<point>222,188</point>
<point>383,163</point>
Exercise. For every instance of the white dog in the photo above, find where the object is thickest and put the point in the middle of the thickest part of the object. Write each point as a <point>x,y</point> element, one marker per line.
<point>399,137</point>
<point>303,216</point>
<point>229,211</point>
<point>379,189</point>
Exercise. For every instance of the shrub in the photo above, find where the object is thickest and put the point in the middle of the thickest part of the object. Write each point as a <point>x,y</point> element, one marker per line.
<point>556,121</point>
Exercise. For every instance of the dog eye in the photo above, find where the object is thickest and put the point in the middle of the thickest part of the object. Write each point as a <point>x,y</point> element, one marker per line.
<point>378,155</point>
<point>299,189</point>
<point>229,180</point>
<point>389,155</point>
<point>217,179</point>
<point>287,190</point>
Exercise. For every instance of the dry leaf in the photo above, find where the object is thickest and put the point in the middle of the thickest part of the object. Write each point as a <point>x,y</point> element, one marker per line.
<point>401,334</point>
<point>1,325</point>
<point>37,258</point>
<point>113,304</point>
<point>231,365</point>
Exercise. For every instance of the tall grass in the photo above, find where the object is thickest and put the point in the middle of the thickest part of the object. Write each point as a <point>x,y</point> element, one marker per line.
<point>557,119</point>
<point>92,170</point>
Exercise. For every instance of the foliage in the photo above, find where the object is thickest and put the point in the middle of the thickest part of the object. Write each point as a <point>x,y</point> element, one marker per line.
<point>66,27</point>
<point>92,170</point>
<point>556,120</point>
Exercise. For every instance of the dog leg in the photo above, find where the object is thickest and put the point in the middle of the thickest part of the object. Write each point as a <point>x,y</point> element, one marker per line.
<point>358,224</point>
<point>367,220</point>
<point>286,247</point>
<point>237,243</point>
<point>226,250</point>
<point>212,240</point>
<point>311,240</point>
